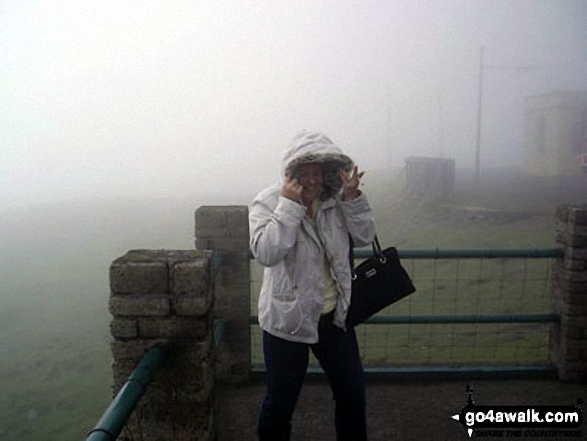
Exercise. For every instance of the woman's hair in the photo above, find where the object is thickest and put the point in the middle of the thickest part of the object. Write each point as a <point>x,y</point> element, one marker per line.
<point>332,163</point>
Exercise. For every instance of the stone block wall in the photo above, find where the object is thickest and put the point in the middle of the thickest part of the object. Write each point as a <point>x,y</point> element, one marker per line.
<point>225,230</point>
<point>161,297</point>
<point>568,338</point>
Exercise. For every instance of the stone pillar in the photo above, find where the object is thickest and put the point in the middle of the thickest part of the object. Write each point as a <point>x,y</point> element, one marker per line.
<point>225,230</point>
<point>165,297</point>
<point>568,338</point>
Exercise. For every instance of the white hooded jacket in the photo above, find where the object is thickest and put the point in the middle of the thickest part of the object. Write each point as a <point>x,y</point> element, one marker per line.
<point>284,241</point>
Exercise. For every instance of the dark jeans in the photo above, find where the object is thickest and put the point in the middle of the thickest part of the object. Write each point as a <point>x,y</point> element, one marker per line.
<point>286,364</point>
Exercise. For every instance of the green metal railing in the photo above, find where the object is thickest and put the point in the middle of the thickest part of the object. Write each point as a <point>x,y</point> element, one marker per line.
<point>446,319</point>
<point>469,253</point>
<point>459,369</point>
<point>116,415</point>
<point>462,253</point>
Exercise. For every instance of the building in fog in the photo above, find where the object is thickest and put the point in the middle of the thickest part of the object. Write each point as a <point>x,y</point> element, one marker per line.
<point>430,176</point>
<point>555,133</point>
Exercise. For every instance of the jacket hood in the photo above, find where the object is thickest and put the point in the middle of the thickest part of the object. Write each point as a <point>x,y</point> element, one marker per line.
<point>316,147</point>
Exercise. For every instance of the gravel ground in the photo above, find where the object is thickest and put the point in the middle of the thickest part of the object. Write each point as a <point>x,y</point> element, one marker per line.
<point>396,410</point>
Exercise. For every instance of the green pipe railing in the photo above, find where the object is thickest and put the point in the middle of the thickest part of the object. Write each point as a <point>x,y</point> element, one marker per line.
<point>470,253</point>
<point>466,253</point>
<point>446,319</point>
<point>482,371</point>
<point>116,415</point>
<point>218,332</point>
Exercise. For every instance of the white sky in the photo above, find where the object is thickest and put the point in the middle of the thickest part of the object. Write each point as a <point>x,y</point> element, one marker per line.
<point>153,98</point>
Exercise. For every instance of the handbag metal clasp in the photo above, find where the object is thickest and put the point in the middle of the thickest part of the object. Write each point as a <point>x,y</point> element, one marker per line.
<point>371,273</point>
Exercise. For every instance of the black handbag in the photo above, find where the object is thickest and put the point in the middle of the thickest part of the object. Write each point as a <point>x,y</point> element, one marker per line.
<point>377,282</point>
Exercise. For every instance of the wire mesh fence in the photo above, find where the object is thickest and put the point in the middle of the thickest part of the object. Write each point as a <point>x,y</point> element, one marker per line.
<point>448,289</point>
<point>498,211</point>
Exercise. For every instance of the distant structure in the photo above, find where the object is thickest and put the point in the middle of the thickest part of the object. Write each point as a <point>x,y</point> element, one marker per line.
<point>435,176</point>
<point>555,133</point>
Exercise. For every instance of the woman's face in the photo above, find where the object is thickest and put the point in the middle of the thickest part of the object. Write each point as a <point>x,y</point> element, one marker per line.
<point>310,178</point>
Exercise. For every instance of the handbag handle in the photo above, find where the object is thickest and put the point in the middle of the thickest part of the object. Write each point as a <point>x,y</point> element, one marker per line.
<point>376,253</point>
<point>352,258</point>
<point>377,250</point>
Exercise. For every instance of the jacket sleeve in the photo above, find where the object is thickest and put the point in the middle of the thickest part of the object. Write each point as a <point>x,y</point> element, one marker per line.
<point>359,220</point>
<point>273,232</point>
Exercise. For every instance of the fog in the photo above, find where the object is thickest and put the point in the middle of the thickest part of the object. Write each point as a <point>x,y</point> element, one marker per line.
<point>119,118</point>
<point>173,99</point>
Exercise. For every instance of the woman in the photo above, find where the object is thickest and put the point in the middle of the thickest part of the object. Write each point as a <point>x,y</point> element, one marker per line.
<point>300,231</point>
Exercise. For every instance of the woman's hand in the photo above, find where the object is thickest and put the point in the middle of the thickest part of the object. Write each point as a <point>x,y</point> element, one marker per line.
<point>350,183</point>
<point>291,189</point>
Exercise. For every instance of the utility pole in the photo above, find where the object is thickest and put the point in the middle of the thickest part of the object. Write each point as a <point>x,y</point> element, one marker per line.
<point>440,127</point>
<point>478,148</point>
<point>388,130</point>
